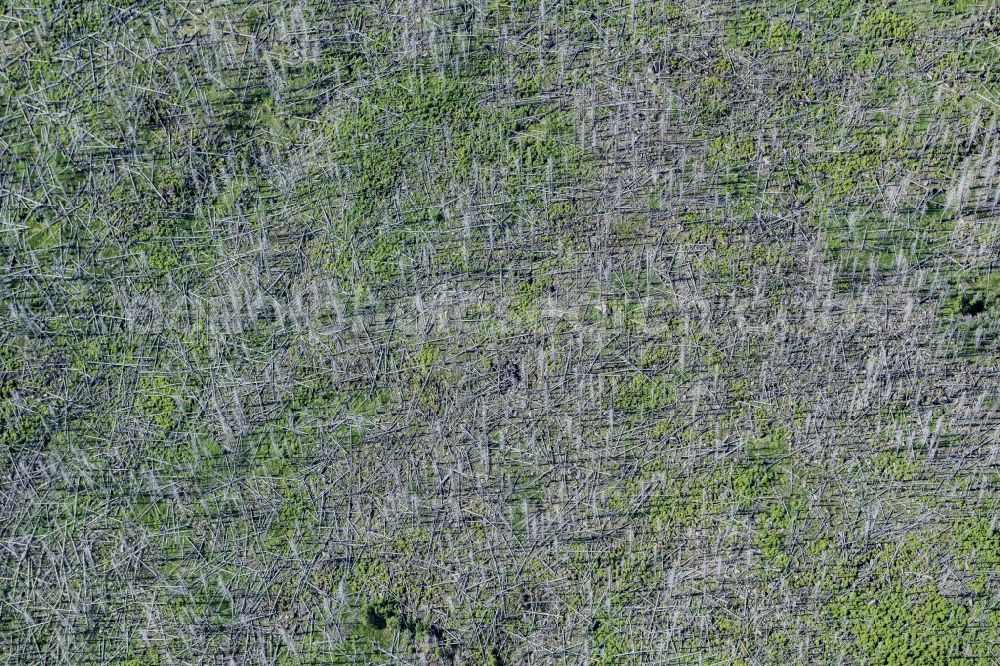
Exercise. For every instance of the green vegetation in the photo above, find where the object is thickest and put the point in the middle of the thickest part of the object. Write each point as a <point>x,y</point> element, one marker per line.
<point>502,332</point>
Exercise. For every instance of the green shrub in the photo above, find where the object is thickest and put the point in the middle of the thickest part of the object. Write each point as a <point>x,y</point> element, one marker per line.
<point>885,25</point>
